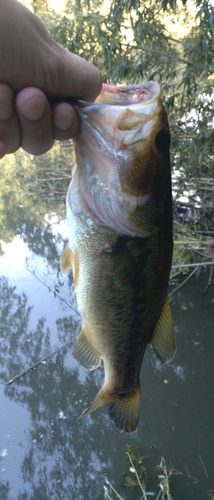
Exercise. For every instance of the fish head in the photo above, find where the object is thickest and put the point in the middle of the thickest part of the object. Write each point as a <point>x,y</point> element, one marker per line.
<point>123,161</point>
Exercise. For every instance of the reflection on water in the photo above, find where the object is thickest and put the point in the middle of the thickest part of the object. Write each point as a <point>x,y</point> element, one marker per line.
<point>45,452</point>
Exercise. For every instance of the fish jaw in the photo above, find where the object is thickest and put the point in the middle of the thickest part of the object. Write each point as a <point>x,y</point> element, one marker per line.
<point>119,167</point>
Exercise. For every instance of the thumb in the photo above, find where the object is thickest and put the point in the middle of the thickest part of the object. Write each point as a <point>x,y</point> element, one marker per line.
<point>71,75</point>
<point>31,58</point>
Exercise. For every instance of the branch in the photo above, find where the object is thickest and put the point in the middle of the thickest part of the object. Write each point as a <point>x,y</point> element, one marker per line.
<point>196,264</point>
<point>183,282</point>
<point>17,377</point>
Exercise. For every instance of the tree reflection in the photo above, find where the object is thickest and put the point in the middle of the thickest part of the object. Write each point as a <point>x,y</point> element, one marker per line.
<point>63,459</point>
<point>45,180</point>
<point>19,345</point>
<point>4,491</point>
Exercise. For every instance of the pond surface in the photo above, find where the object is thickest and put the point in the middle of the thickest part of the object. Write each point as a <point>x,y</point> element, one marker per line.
<point>45,452</point>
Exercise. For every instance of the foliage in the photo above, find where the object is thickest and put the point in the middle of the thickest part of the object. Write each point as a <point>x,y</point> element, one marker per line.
<point>139,478</point>
<point>136,467</point>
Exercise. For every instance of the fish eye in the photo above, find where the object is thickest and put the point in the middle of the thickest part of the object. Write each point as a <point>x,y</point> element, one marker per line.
<point>162,140</point>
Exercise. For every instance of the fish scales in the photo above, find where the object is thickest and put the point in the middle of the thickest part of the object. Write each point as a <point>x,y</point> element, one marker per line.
<point>119,211</point>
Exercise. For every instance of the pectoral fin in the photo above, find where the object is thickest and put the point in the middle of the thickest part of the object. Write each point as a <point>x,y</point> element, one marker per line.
<point>69,260</point>
<point>66,260</point>
<point>84,351</point>
<point>163,339</point>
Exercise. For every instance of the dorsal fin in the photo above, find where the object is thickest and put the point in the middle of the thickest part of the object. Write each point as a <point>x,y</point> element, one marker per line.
<point>163,339</point>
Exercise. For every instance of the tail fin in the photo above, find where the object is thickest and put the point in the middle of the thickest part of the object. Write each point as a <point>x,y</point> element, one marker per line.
<point>123,409</point>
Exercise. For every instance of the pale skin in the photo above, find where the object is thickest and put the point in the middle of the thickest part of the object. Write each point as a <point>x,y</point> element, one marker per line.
<point>33,69</point>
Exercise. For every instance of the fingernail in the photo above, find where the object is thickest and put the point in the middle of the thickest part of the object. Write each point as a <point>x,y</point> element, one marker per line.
<point>34,108</point>
<point>63,120</point>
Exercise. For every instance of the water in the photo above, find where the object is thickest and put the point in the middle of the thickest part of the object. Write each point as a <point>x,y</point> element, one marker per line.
<point>45,452</point>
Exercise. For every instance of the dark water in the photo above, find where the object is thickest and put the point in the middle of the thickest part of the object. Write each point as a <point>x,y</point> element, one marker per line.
<point>45,452</point>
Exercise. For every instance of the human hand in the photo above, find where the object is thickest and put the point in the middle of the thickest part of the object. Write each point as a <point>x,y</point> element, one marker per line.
<point>32,67</point>
<point>29,121</point>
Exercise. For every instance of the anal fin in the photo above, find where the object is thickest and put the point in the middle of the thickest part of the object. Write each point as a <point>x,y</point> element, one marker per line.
<point>84,352</point>
<point>163,339</point>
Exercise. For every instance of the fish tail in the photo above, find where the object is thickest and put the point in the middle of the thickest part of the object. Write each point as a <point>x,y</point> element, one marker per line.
<point>123,409</point>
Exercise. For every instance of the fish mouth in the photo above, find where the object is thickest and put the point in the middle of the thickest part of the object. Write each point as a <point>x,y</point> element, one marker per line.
<point>122,95</point>
<point>121,116</point>
<point>129,94</point>
<point>114,130</point>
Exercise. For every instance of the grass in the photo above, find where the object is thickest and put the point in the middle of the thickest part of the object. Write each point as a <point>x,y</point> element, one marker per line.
<point>139,479</point>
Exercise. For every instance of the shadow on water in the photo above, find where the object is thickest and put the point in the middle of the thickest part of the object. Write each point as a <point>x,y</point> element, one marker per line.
<point>45,452</point>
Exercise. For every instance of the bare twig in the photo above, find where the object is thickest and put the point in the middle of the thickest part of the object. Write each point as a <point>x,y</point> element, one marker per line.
<point>53,291</point>
<point>113,489</point>
<point>179,473</point>
<point>183,282</point>
<point>195,264</point>
<point>209,281</point>
<point>204,468</point>
<point>17,377</point>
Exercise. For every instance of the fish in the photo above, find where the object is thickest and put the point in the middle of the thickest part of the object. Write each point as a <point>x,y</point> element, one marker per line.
<point>120,223</point>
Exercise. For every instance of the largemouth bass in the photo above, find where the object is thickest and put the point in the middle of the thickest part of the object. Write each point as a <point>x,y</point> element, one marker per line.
<point>119,211</point>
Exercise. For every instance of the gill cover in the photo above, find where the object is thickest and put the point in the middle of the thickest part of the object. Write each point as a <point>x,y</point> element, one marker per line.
<point>106,149</point>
